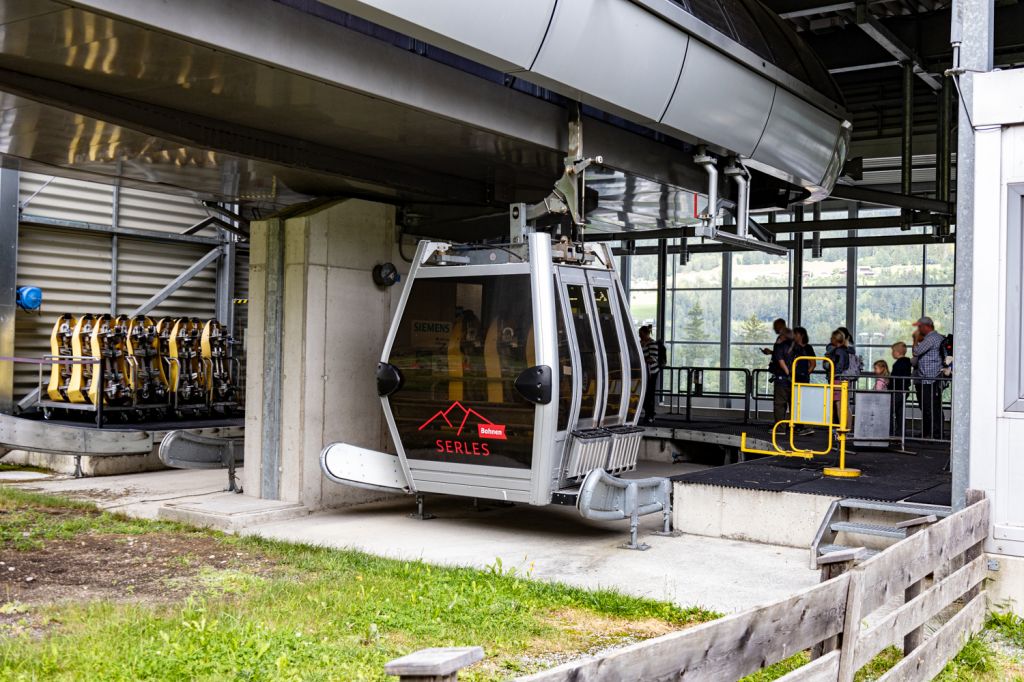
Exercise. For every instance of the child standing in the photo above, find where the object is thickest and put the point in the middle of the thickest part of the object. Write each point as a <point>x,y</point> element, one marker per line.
<point>901,370</point>
<point>881,370</point>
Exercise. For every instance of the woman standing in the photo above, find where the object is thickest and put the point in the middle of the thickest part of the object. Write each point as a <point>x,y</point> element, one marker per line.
<point>802,369</point>
<point>840,357</point>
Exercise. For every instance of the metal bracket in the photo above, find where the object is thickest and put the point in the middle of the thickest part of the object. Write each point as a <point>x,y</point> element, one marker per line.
<point>567,196</point>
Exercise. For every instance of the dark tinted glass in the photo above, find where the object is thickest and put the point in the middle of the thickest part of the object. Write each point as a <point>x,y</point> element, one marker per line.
<point>767,35</point>
<point>460,345</point>
<point>613,355</point>
<point>748,32</point>
<point>635,376</point>
<point>564,365</point>
<point>710,12</point>
<point>587,349</point>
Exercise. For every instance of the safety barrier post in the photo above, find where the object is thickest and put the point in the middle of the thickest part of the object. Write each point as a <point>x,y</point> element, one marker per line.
<point>689,393</point>
<point>748,385</point>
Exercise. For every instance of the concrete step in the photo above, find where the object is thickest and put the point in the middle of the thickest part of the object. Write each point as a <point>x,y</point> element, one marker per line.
<point>828,549</point>
<point>869,529</point>
<point>897,507</point>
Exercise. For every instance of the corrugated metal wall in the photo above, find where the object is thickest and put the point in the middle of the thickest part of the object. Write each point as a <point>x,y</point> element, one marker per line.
<point>73,267</point>
<point>143,210</point>
<point>73,270</point>
<point>145,267</point>
<point>66,199</point>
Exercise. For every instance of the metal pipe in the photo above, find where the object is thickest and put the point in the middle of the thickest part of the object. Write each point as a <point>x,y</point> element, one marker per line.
<point>708,162</point>
<point>907,146</point>
<point>739,176</point>
<point>662,275</point>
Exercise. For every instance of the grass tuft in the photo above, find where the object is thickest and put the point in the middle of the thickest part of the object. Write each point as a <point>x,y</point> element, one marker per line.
<point>974,661</point>
<point>1009,625</point>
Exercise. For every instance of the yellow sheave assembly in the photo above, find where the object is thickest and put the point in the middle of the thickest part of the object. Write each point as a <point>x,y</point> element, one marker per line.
<point>60,348</point>
<point>183,347</point>
<point>107,344</point>
<point>146,377</point>
<point>174,364</point>
<point>81,374</point>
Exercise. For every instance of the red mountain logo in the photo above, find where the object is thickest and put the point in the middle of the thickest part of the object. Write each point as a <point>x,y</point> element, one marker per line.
<point>457,416</point>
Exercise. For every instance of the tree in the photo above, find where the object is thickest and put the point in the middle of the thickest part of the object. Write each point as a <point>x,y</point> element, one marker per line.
<point>753,329</point>
<point>693,330</point>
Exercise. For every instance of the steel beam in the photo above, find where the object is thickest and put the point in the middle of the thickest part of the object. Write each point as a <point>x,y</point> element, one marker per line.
<point>835,243</point>
<point>907,142</point>
<point>661,298</point>
<point>115,211</point>
<point>175,284</point>
<point>891,43</point>
<point>972,34</point>
<point>943,157</point>
<point>8,281</point>
<point>226,285</point>
<point>820,9</point>
<point>776,228</point>
<point>864,67</point>
<point>874,196</point>
<point>41,221</point>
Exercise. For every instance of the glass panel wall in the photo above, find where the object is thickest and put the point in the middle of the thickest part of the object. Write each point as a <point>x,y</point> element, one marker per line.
<point>876,291</point>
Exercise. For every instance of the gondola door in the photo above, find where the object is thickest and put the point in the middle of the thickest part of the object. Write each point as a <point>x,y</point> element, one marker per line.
<point>608,326</point>
<point>591,366</point>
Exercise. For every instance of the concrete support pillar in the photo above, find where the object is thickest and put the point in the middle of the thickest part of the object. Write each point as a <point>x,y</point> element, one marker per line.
<point>317,325</point>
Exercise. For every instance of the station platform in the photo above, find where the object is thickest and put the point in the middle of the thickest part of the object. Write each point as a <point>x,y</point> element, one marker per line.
<point>782,500</point>
<point>919,474</point>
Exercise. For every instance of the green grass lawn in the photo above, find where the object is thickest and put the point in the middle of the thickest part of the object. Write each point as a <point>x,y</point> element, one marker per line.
<point>219,607</point>
<point>86,595</point>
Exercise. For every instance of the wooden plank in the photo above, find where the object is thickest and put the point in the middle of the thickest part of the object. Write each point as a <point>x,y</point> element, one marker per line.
<point>890,572</point>
<point>852,626</point>
<point>725,649</point>
<point>916,613</point>
<point>925,662</point>
<point>824,669</point>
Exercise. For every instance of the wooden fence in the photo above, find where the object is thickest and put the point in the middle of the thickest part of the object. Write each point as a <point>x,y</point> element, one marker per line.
<point>846,620</point>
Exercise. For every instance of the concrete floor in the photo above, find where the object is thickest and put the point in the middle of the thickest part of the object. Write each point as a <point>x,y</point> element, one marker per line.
<point>552,543</point>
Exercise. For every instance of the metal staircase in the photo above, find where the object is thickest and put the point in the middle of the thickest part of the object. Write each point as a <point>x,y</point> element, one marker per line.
<point>852,516</point>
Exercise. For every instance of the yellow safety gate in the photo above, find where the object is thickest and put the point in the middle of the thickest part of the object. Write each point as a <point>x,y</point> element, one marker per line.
<point>812,405</point>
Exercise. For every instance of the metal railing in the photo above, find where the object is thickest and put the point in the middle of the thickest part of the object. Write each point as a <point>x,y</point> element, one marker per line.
<point>919,405</point>
<point>687,383</point>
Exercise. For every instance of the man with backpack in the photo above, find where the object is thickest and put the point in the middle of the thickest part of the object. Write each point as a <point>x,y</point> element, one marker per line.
<point>929,360</point>
<point>654,359</point>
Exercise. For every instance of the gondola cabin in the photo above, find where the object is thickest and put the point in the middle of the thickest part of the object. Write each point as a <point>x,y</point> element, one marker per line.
<point>510,372</point>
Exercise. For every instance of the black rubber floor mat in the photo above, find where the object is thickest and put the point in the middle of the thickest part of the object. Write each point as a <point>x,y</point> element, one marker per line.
<point>751,477</point>
<point>940,494</point>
